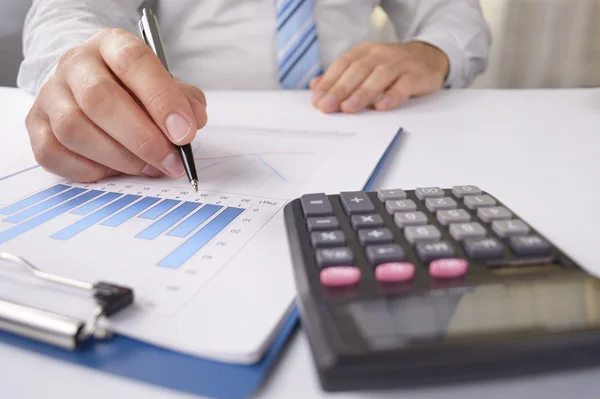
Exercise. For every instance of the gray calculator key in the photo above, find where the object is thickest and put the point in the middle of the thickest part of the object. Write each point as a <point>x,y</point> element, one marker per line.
<point>404,219</point>
<point>529,245</point>
<point>427,233</point>
<point>453,216</point>
<point>429,251</point>
<point>437,204</point>
<point>375,236</point>
<point>400,206</point>
<point>334,257</point>
<point>327,239</point>
<point>378,254</point>
<point>505,228</point>
<point>484,248</point>
<point>461,191</point>
<point>322,223</point>
<point>356,202</point>
<point>429,192</point>
<point>389,195</point>
<point>494,213</point>
<point>478,201</point>
<point>366,221</point>
<point>463,231</point>
<point>316,205</point>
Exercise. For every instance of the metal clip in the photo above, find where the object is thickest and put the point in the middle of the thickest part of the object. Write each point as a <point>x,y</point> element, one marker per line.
<point>59,330</point>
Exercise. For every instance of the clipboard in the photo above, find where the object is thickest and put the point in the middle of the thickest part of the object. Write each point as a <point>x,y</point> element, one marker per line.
<point>125,357</point>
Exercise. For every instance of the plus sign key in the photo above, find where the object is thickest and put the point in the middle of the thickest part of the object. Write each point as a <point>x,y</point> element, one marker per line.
<point>356,202</point>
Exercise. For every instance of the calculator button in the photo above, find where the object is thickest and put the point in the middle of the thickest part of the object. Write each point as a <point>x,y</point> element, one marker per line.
<point>529,245</point>
<point>453,216</point>
<point>388,195</point>
<point>395,272</point>
<point>434,250</point>
<point>484,248</point>
<point>427,233</point>
<point>356,202</point>
<point>478,201</point>
<point>461,191</point>
<point>494,213</point>
<point>322,223</point>
<point>429,192</point>
<point>463,231</point>
<point>506,228</point>
<point>375,236</point>
<point>327,238</point>
<point>404,219</point>
<point>316,205</point>
<point>334,257</point>
<point>377,254</point>
<point>400,206</point>
<point>365,221</point>
<point>448,268</point>
<point>340,276</point>
<point>437,204</point>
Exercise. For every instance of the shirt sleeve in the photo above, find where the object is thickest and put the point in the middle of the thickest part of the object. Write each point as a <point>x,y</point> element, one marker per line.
<point>456,27</point>
<point>54,26</point>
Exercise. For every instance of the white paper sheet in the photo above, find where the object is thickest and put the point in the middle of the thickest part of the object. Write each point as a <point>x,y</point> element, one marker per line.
<point>215,284</point>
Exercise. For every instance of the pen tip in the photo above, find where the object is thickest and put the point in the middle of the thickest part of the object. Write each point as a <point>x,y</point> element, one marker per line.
<point>195,185</point>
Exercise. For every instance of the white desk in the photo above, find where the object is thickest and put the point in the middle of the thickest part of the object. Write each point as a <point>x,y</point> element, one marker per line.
<point>531,149</point>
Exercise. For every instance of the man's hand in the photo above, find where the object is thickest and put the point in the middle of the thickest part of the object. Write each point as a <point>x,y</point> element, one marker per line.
<point>381,75</point>
<point>110,108</point>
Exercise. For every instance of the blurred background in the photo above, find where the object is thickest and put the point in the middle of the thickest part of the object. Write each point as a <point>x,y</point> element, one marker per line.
<point>536,43</point>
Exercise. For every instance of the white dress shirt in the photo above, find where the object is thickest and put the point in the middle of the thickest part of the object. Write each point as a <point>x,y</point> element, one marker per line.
<point>230,44</point>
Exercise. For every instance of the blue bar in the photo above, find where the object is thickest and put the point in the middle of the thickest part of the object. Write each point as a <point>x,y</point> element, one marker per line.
<point>159,209</point>
<point>34,199</point>
<point>159,227</point>
<point>44,206</point>
<point>95,204</point>
<point>201,238</point>
<point>46,216</point>
<point>130,212</point>
<point>194,221</point>
<point>95,217</point>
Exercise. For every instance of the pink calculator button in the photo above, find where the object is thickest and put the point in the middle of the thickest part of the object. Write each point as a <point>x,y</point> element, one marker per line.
<point>448,268</point>
<point>394,272</point>
<point>340,276</point>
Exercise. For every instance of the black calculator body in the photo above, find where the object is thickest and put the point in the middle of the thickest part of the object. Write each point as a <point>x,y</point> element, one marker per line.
<point>406,288</point>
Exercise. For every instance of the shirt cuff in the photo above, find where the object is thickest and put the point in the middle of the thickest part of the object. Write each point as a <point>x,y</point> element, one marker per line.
<point>446,44</point>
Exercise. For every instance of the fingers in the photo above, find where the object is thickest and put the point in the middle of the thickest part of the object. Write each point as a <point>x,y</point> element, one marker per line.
<point>116,113</point>
<point>197,101</point>
<point>136,65</point>
<point>381,78</point>
<point>77,133</point>
<point>405,87</point>
<point>349,81</point>
<point>51,155</point>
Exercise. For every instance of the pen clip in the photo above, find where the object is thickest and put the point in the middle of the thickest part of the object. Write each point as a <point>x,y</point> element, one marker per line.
<point>148,26</point>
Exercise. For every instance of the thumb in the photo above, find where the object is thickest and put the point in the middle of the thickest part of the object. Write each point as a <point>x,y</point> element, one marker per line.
<point>197,101</point>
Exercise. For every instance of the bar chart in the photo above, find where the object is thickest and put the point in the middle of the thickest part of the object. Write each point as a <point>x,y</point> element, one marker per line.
<point>194,221</point>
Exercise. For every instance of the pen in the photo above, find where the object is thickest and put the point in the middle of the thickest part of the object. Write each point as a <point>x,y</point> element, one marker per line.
<point>148,26</point>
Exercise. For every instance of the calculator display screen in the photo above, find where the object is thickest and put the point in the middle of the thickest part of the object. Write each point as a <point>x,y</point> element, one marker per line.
<point>478,312</point>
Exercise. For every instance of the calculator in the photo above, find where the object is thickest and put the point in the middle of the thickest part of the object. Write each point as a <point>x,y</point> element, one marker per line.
<point>433,285</point>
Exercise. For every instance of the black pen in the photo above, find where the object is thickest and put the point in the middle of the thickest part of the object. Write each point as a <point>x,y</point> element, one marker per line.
<point>150,33</point>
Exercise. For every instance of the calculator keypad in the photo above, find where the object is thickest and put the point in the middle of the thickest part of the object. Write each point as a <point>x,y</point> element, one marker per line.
<point>442,234</point>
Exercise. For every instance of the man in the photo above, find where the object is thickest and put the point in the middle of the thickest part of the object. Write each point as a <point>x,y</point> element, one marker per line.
<point>105,105</point>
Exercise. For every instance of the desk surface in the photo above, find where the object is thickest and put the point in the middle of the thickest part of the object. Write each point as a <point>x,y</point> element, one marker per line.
<point>539,151</point>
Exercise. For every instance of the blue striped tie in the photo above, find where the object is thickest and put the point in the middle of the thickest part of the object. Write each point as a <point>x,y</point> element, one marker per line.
<point>297,47</point>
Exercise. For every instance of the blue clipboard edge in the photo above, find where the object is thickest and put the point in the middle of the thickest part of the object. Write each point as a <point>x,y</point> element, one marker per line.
<point>143,362</point>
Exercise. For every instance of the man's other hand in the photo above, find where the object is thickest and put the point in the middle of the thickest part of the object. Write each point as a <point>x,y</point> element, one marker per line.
<point>379,75</point>
<point>111,108</point>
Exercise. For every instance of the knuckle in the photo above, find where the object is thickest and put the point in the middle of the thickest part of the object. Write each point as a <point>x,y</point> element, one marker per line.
<point>362,67</point>
<point>70,57</point>
<point>145,146</point>
<point>95,95</point>
<point>160,100</point>
<point>386,70</point>
<point>129,57</point>
<point>42,149</point>
<point>67,127</point>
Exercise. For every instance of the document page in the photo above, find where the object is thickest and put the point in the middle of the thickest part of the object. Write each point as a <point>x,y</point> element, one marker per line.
<point>211,271</point>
